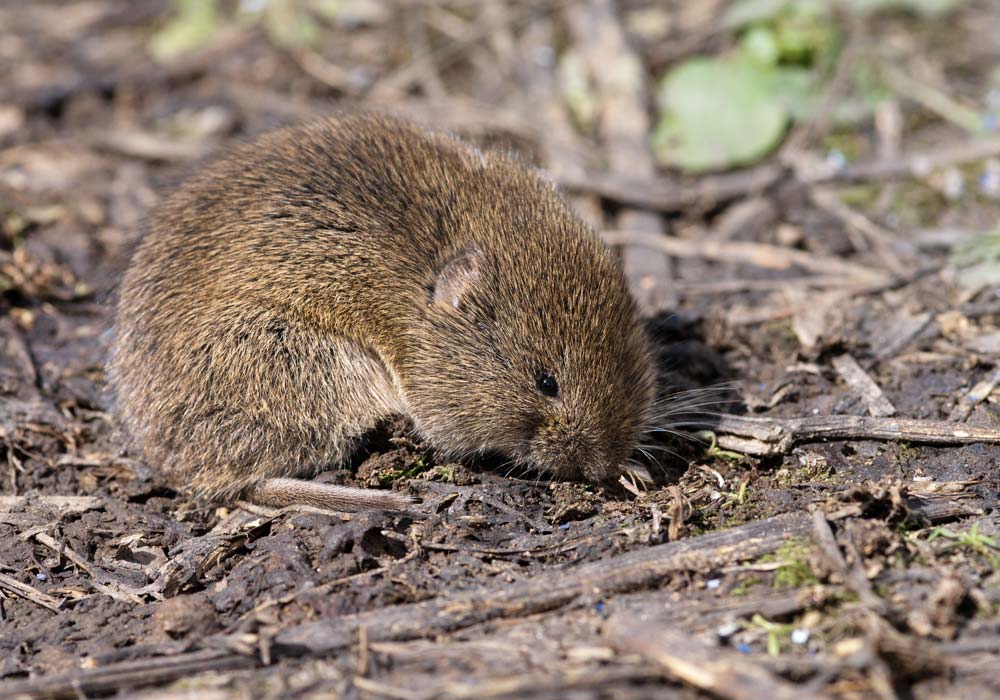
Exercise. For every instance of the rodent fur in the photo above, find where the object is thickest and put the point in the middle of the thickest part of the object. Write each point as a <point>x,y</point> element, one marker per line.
<point>326,276</point>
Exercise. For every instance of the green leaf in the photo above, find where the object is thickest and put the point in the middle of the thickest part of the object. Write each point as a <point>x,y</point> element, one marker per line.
<point>717,114</point>
<point>744,12</point>
<point>924,8</point>
<point>194,23</point>
<point>290,24</point>
<point>760,44</point>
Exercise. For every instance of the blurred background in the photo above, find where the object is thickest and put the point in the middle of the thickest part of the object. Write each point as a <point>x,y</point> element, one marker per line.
<point>837,127</point>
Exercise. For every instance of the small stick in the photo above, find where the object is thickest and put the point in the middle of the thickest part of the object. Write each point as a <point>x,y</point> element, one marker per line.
<point>852,574</point>
<point>771,436</point>
<point>932,99</point>
<point>65,504</point>
<point>141,672</point>
<point>621,89</point>
<point>859,380</point>
<point>115,589</point>
<point>771,257</point>
<point>25,591</point>
<point>722,672</point>
<point>879,237</point>
<point>977,395</point>
<point>669,195</point>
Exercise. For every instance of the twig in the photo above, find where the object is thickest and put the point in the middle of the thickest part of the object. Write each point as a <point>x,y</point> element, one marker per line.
<point>932,99</point>
<point>624,126</point>
<point>114,589</point>
<point>899,333</point>
<point>771,257</point>
<point>723,673</point>
<point>127,674</point>
<point>64,504</point>
<point>772,436</point>
<point>25,591</point>
<point>398,80</point>
<point>670,195</point>
<point>978,394</point>
<point>879,237</point>
<point>735,286</point>
<point>916,164</point>
<point>859,380</point>
<point>318,68</point>
<point>147,145</point>
<point>852,573</point>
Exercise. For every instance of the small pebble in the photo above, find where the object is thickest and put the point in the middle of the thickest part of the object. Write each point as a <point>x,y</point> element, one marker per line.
<point>953,184</point>
<point>800,635</point>
<point>727,630</point>
<point>41,577</point>
<point>743,647</point>
<point>836,159</point>
<point>989,179</point>
<point>713,583</point>
<point>564,526</point>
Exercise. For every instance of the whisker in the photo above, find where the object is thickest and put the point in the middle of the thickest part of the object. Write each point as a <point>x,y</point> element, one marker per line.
<point>663,448</point>
<point>648,455</point>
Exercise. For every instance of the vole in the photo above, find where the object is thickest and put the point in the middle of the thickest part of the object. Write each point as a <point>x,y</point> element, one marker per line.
<point>326,276</point>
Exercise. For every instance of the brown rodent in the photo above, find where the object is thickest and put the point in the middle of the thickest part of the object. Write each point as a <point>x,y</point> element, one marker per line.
<point>327,276</point>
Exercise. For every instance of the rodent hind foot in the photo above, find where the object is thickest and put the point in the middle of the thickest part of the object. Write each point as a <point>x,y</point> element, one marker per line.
<point>280,492</point>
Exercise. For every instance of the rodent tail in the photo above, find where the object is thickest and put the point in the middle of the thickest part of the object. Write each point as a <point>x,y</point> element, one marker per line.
<point>281,492</point>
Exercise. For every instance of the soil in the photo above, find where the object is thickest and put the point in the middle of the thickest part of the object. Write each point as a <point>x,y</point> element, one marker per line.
<point>841,567</point>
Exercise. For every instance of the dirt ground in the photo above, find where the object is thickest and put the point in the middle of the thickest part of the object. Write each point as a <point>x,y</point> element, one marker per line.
<point>835,535</point>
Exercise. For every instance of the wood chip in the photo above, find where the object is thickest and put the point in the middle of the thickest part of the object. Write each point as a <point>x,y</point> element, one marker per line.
<point>862,383</point>
<point>12,585</point>
<point>980,392</point>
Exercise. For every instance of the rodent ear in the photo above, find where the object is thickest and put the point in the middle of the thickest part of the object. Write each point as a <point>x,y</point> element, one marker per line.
<point>456,279</point>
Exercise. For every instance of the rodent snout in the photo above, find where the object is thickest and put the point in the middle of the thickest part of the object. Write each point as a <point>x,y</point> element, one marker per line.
<point>574,455</point>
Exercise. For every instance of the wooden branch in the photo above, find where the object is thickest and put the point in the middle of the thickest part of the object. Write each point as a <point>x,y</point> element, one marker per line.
<point>127,674</point>
<point>771,257</point>
<point>63,504</point>
<point>669,195</point>
<point>764,437</point>
<point>12,585</point>
<point>725,673</point>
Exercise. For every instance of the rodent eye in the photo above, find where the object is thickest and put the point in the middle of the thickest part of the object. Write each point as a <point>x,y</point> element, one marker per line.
<point>546,384</point>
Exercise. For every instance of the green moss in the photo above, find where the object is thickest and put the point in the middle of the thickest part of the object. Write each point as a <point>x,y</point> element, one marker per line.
<point>794,570</point>
<point>985,546</point>
<point>745,586</point>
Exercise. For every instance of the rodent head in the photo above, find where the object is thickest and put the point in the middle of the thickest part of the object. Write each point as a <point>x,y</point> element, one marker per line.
<point>530,346</point>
